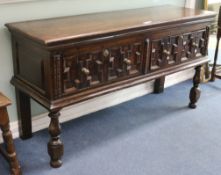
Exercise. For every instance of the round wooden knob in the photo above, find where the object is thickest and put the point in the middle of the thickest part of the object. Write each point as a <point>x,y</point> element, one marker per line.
<point>127,61</point>
<point>85,71</point>
<point>194,44</point>
<point>138,53</point>
<point>106,53</point>
<point>166,52</point>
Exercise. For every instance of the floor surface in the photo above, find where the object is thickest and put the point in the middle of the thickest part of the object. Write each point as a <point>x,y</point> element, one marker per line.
<point>156,134</point>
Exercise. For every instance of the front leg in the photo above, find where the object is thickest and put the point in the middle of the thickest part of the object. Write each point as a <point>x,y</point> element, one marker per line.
<point>195,90</point>
<point>55,145</point>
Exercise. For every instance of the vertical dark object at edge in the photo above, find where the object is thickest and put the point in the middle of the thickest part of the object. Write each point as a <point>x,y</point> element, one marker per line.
<point>213,73</point>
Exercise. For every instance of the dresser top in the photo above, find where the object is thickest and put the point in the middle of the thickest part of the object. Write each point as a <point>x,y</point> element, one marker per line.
<point>54,30</point>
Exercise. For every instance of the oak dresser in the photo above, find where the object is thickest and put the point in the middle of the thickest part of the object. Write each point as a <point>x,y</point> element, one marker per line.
<point>62,61</point>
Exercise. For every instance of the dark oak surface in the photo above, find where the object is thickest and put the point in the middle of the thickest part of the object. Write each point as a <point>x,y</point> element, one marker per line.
<point>62,61</point>
<point>48,31</point>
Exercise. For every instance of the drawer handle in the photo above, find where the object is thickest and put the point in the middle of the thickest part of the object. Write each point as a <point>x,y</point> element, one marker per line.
<point>127,61</point>
<point>194,44</point>
<point>106,53</point>
<point>85,71</point>
<point>166,52</point>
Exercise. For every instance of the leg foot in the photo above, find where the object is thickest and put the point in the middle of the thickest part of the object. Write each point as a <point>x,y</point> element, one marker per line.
<point>192,106</point>
<point>55,146</point>
<point>195,90</point>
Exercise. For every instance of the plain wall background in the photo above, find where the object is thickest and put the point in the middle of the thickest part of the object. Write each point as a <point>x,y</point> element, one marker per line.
<point>46,9</point>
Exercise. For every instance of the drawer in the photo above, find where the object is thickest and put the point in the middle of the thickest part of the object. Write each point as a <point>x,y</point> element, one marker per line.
<point>92,65</point>
<point>172,50</point>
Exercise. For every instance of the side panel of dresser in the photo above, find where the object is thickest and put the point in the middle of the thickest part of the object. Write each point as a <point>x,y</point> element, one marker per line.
<point>32,79</point>
<point>32,69</point>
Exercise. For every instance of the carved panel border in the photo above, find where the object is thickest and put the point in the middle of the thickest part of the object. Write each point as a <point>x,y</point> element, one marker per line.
<point>87,69</point>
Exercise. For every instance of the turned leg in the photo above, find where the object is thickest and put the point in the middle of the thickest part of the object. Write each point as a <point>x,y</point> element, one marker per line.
<point>159,85</point>
<point>195,90</point>
<point>55,146</point>
<point>218,36</point>
<point>8,140</point>
<point>24,114</point>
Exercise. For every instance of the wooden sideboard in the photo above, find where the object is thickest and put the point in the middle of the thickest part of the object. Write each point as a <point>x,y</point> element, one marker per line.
<point>63,61</point>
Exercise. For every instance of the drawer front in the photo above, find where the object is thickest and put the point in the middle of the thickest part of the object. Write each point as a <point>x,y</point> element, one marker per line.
<point>83,67</point>
<point>89,66</point>
<point>172,50</point>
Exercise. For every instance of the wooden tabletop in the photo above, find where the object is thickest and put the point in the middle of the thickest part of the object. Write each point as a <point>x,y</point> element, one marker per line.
<point>4,101</point>
<point>49,31</point>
